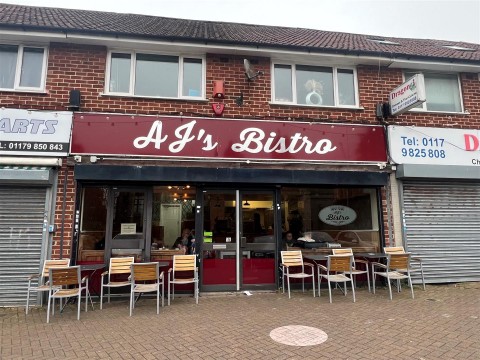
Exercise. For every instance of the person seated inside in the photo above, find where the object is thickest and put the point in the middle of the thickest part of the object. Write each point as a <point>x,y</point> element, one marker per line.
<point>184,242</point>
<point>289,240</point>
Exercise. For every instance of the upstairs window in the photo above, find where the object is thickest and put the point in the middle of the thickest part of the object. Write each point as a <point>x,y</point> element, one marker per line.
<point>22,67</point>
<point>154,75</point>
<point>442,92</point>
<point>314,85</point>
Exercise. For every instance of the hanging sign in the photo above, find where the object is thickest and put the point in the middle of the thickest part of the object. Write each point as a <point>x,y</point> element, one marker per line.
<point>408,95</point>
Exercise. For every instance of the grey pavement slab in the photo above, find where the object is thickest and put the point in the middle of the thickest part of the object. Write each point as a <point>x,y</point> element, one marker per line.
<point>440,323</point>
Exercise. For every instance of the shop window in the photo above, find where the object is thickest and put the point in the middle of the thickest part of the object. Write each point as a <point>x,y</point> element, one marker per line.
<point>93,220</point>
<point>173,214</point>
<point>314,85</point>
<point>22,68</point>
<point>155,75</point>
<point>442,92</point>
<point>331,217</point>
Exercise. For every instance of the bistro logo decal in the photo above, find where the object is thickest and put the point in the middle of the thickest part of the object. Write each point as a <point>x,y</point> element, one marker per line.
<point>252,140</point>
<point>337,215</point>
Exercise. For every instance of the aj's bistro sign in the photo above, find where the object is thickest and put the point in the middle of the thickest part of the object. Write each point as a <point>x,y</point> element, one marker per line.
<point>151,136</point>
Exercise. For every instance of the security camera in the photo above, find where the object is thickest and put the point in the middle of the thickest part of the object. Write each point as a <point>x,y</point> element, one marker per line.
<point>77,158</point>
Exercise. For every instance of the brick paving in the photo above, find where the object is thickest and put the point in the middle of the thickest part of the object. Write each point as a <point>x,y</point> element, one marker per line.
<point>440,323</point>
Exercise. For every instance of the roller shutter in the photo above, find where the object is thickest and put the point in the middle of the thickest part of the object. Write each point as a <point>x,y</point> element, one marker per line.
<point>442,226</point>
<point>22,212</point>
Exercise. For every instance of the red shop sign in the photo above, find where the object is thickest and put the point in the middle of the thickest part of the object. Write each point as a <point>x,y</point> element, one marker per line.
<point>188,137</point>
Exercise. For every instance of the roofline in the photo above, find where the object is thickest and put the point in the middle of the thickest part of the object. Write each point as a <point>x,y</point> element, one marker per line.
<point>267,49</point>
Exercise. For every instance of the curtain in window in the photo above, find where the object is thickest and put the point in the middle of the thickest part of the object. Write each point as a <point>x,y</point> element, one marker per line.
<point>442,92</point>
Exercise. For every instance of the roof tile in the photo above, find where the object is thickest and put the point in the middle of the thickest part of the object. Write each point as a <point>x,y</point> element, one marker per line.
<point>162,28</point>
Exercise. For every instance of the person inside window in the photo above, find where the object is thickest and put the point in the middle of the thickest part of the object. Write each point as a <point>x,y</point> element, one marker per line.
<point>288,239</point>
<point>183,242</point>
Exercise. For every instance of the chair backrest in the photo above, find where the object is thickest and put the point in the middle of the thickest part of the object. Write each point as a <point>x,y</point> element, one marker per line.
<point>292,258</point>
<point>184,263</point>
<point>394,250</point>
<point>61,276</point>
<point>398,261</point>
<point>340,263</point>
<point>51,264</point>
<point>342,251</point>
<point>145,271</point>
<point>121,265</point>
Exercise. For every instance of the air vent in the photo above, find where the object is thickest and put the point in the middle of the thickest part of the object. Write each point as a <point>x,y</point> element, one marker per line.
<point>383,41</point>
<point>459,48</point>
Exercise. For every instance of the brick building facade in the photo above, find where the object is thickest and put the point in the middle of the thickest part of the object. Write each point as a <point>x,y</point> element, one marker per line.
<point>79,54</point>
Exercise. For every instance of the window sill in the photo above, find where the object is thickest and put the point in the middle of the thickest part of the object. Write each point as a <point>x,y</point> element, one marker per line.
<point>319,106</point>
<point>154,97</point>
<point>25,91</point>
<point>417,111</point>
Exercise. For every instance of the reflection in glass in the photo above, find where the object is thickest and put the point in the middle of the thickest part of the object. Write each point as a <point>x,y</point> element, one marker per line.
<point>346,87</point>
<point>308,212</point>
<point>8,61</point>
<point>283,83</point>
<point>156,75</point>
<point>32,65</point>
<point>93,220</point>
<point>192,77</point>
<point>120,73</point>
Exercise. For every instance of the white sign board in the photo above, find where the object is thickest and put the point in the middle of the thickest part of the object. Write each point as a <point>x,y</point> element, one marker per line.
<point>128,228</point>
<point>408,95</point>
<point>337,215</point>
<point>434,146</point>
<point>28,132</point>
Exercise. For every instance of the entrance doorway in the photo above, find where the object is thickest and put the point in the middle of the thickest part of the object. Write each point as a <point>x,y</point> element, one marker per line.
<point>239,240</point>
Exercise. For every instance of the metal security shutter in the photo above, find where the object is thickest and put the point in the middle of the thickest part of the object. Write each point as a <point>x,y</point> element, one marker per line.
<point>442,226</point>
<point>21,230</point>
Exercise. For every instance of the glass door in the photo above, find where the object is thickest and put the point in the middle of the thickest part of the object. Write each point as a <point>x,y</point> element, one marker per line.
<point>238,240</point>
<point>127,223</point>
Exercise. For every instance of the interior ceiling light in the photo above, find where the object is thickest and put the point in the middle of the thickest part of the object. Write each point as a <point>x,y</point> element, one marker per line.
<point>246,203</point>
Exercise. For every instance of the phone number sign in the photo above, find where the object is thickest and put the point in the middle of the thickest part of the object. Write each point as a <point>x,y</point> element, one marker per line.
<point>26,132</point>
<point>434,146</point>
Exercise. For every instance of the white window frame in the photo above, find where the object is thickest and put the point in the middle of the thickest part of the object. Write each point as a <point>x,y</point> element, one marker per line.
<point>335,85</point>
<point>133,57</point>
<point>18,69</point>
<point>424,104</point>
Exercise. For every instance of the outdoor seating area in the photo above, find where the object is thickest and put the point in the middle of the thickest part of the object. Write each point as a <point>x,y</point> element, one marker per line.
<point>342,265</point>
<point>62,281</point>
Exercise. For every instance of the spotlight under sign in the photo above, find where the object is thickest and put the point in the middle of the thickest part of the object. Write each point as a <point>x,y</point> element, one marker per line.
<point>408,95</point>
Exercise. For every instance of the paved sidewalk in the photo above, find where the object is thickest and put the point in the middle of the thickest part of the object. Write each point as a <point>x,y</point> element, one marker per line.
<point>440,323</point>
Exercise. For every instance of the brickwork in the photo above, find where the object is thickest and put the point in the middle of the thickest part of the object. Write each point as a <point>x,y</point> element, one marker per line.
<point>64,215</point>
<point>82,67</point>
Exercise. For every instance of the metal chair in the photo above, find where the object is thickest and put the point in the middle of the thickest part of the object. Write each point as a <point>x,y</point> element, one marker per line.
<point>337,270</point>
<point>150,274</point>
<point>355,271</point>
<point>118,266</point>
<point>66,276</point>
<point>414,260</point>
<point>183,265</point>
<point>43,277</point>
<point>294,259</point>
<point>397,268</point>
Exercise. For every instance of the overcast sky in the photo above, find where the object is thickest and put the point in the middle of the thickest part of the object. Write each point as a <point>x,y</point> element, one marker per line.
<point>456,20</point>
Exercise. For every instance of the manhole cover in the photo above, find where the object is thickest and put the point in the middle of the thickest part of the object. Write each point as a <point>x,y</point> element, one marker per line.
<point>298,335</point>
